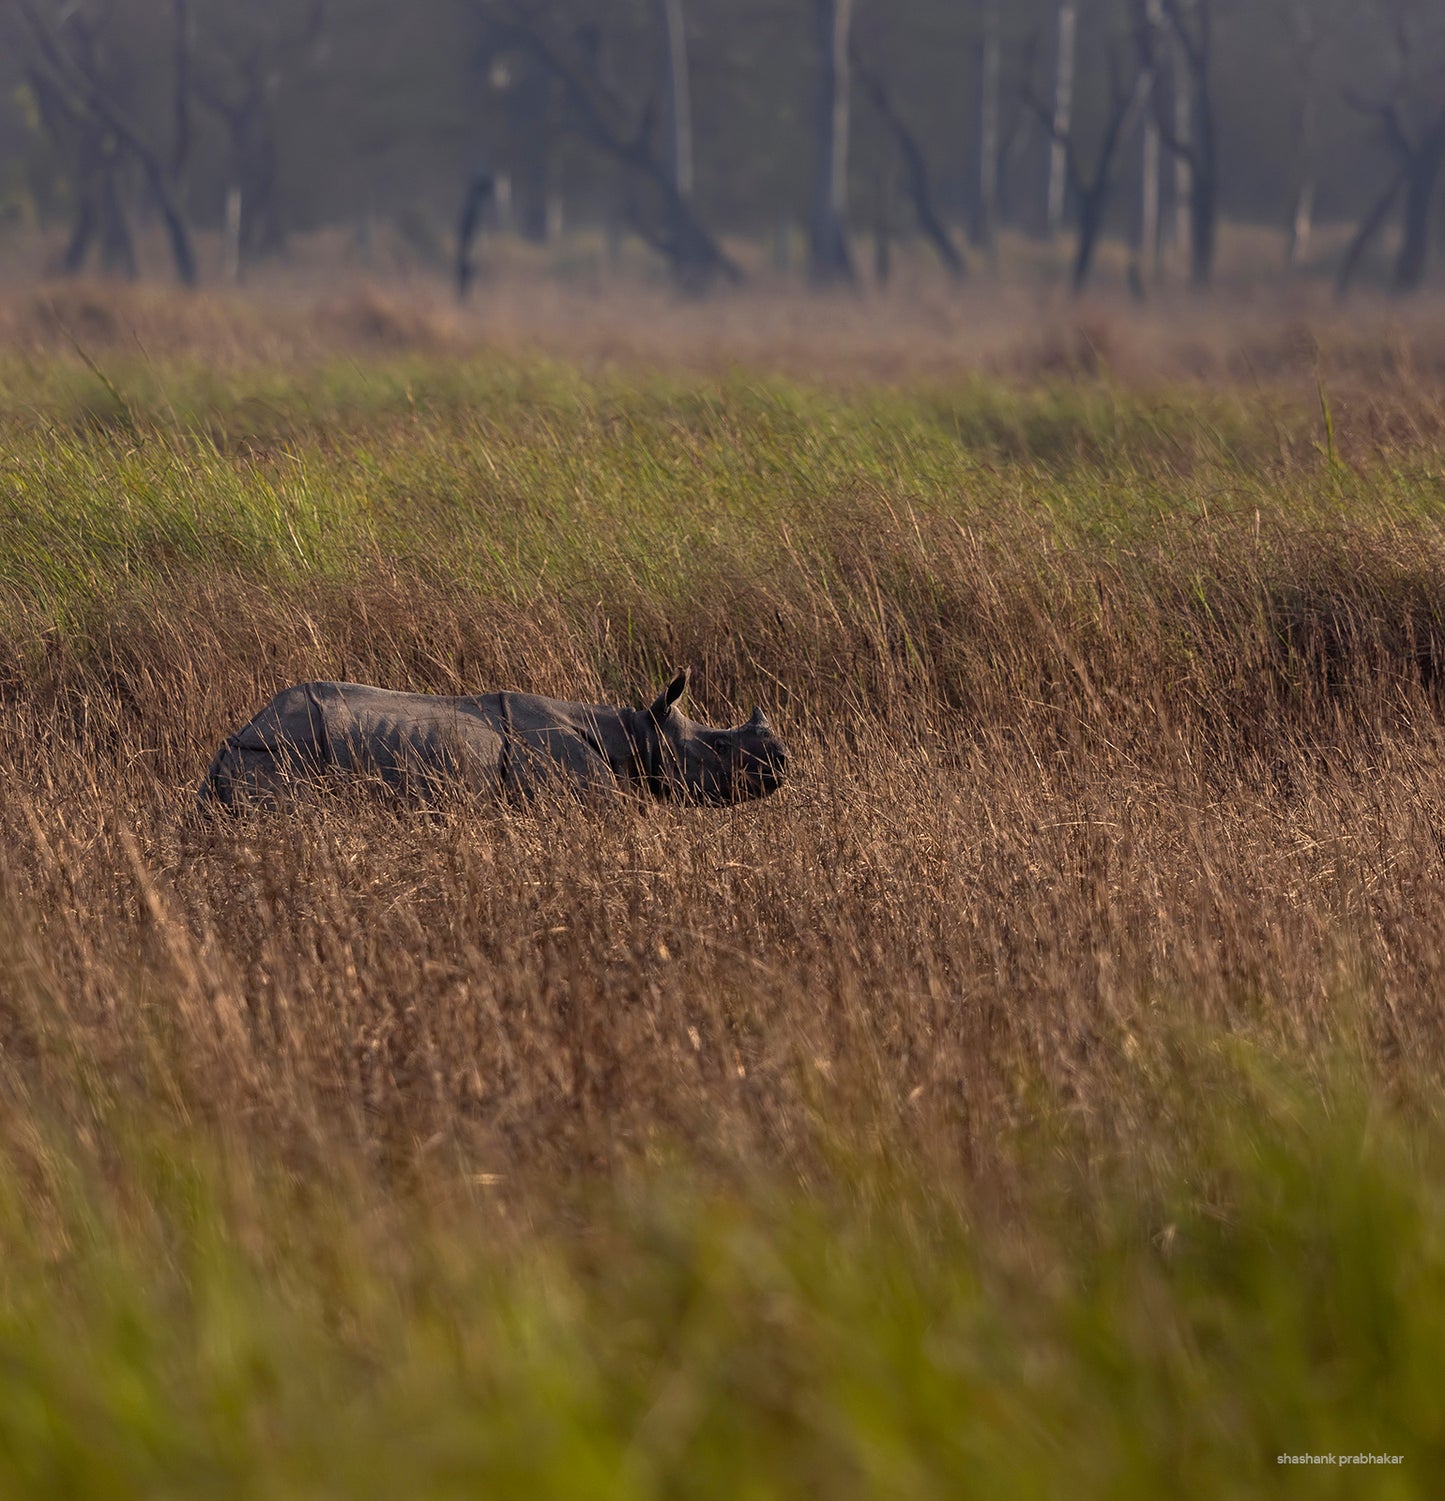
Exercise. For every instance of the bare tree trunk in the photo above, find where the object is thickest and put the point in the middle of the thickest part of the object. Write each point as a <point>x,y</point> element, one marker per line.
<point>1013,140</point>
<point>829,258</point>
<point>1184,137</point>
<point>1419,158</point>
<point>1094,190</point>
<point>1093,205</point>
<point>74,68</point>
<point>990,60</point>
<point>82,232</point>
<point>250,130</point>
<point>502,200</point>
<point>172,216</point>
<point>1192,22</point>
<point>106,219</point>
<point>883,222</point>
<point>1203,202</point>
<point>782,245</point>
<point>1307,40</point>
<point>1420,180</point>
<point>1369,227</point>
<point>117,245</point>
<point>251,118</point>
<point>267,234</point>
<point>231,236</point>
<point>99,211</point>
<point>481,191</point>
<point>1301,224</point>
<point>1063,115</point>
<point>915,165</point>
<point>679,97</point>
<point>529,130</point>
<point>665,219</point>
<point>181,108</point>
<point>1146,255</point>
<point>164,179</point>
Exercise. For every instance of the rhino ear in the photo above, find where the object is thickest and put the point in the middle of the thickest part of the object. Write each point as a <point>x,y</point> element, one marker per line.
<point>759,721</point>
<point>669,695</point>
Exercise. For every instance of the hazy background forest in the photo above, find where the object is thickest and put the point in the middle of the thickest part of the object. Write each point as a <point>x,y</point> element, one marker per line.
<point>833,139</point>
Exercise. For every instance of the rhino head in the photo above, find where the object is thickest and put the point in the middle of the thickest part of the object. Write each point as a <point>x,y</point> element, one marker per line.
<point>701,764</point>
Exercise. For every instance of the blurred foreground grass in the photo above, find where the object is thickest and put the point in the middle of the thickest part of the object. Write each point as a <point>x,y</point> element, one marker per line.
<point>1258,1273</point>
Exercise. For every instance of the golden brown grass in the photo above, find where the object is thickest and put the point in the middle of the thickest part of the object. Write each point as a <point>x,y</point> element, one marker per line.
<point>1044,800</point>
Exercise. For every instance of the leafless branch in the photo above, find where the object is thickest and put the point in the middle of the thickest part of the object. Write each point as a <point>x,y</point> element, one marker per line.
<point>76,75</point>
<point>914,162</point>
<point>685,242</point>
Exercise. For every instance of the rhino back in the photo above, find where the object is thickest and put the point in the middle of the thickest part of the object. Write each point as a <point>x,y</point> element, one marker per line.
<point>555,741</point>
<point>406,738</point>
<point>284,741</point>
<point>417,742</point>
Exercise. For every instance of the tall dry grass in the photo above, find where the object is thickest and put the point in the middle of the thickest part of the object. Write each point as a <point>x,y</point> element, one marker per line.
<point>1044,798</point>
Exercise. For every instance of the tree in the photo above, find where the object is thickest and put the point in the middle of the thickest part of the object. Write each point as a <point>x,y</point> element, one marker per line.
<point>248,50</point>
<point>1092,181</point>
<point>480,192</point>
<point>99,212</point>
<point>1061,125</point>
<point>679,96</point>
<point>1144,262</point>
<point>1306,42</point>
<point>599,114</point>
<point>530,116</point>
<point>67,69</point>
<point>1192,135</point>
<point>915,164</point>
<point>1409,118</point>
<point>829,258</point>
<point>990,65</point>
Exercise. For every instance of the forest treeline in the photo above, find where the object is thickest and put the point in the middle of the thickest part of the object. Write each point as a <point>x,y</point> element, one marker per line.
<point>821,126</point>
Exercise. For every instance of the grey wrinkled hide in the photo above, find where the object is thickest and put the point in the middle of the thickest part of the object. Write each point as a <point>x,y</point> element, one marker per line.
<point>418,744</point>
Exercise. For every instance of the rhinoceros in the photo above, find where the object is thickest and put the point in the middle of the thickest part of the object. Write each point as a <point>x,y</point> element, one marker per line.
<point>419,744</point>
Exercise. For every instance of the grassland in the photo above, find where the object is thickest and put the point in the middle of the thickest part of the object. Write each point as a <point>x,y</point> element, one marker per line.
<point>1040,1097</point>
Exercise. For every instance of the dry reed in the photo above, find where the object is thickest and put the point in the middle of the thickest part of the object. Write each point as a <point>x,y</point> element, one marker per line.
<point>1046,801</point>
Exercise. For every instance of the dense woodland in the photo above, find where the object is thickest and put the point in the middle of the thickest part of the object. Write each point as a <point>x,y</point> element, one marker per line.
<point>830,130</point>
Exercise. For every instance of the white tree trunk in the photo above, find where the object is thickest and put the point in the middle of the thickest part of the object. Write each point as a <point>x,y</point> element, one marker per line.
<point>502,191</point>
<point>838,134</point>
<point>1149,166</point>
<point>1302,224</point>
<point>1183,133</point>
<point>1307,41</point>
<point>1063,115</point>
<point>231,236</point>
<point>679,96</point>
<point>829,254</point>
<point>1149,202</point>
<point>988,123</point>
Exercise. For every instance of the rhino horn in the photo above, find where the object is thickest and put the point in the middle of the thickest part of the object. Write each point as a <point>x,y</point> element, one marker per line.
<point>669,695</point>
<point>759,721</point>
